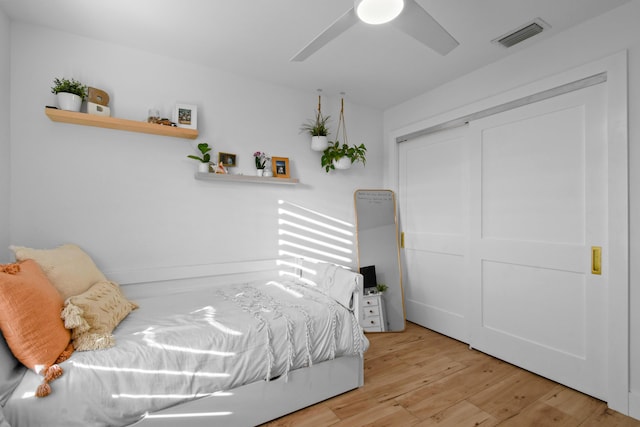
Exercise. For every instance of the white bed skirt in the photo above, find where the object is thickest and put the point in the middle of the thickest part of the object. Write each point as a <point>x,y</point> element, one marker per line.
<point>262,401</point>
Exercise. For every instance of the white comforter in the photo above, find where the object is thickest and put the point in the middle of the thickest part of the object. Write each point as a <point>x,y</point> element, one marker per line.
<point>188,345</point>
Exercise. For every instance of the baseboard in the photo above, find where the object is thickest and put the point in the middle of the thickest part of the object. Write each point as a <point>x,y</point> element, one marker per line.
<point>634,405</point>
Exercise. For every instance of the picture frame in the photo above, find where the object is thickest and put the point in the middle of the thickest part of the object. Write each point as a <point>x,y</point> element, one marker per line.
<point>186,116</point>
<point>280,167</point>
<point>227,159</point>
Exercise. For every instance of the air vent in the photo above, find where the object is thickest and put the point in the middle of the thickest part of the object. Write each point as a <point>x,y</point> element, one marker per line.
<point>522,33</point>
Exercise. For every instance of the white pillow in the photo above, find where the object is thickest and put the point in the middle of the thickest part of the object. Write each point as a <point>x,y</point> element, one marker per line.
<point>68,267</point>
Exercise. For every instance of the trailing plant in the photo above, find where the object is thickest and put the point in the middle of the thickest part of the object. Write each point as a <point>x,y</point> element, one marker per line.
<point>335,151</point>
<point>204,149</point>
<point>70,86</point>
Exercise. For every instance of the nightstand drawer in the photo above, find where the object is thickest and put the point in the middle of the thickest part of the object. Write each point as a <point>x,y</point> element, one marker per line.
<point>370,301</point>
<point>372,311</point>
<point>372,322</point>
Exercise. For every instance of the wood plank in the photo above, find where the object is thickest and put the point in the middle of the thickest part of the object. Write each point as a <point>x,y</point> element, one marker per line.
<point>421,378</point>
<point>85,119</point>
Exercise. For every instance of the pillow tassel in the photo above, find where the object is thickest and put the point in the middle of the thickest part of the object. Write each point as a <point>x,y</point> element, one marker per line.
<point>43,390</point>
<point>65,354</point>
<point>72,316</point>
<point>10,268</point>
<point>53,372</point>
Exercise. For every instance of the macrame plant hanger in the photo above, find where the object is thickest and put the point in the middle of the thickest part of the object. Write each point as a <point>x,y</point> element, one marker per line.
<point>319,142</point>
<point>341,124</point>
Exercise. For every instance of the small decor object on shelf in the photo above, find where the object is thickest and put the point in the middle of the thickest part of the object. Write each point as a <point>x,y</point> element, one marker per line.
<point>381,288</point>
<point>153,115</point>
<point>219,169</point>
<point>70,93</point>
<point>342,156</point>
<point>261,161</point>
<point>317,128</point>
<point>205,159</point>
<point>227,159</point>
<point>186,116</point>
<point>280,166</point>
<point>98,102</point>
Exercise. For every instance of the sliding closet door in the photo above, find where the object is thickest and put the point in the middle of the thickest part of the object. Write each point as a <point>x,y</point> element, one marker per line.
<point>538,206</point>
<point>434,206</point>
<point>500,218</point>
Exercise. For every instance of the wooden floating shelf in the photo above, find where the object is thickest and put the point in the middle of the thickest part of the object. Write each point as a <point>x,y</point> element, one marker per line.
<point>85,119</point>
<point>203,176</point>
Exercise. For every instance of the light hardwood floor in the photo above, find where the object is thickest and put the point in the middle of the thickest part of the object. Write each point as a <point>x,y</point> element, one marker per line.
<point>421,378</point>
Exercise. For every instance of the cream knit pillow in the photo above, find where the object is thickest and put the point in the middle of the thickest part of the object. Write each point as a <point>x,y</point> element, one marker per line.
<point>93,315</point>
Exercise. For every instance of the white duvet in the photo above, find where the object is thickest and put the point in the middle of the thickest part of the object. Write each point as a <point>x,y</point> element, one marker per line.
<point>188,345</point>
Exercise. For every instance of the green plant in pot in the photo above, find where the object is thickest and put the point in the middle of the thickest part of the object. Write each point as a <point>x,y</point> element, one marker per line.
<point>204,160</point>
<point>70,93</point>
<point>381,287</point>
<point>318,129</point>
<point>342,156</point>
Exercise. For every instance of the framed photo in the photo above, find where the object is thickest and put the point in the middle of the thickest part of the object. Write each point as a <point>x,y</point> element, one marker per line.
<point>186,116</point>
<point>280,167</point>
<point>227,159</point>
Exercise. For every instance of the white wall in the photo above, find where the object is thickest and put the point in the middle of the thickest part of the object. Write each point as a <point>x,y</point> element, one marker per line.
<point>601,37</point>
<point>5,152</point>
<point>130,199</point>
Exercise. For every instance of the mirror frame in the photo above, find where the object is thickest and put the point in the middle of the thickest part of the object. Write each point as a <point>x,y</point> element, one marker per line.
<point>397,247</point>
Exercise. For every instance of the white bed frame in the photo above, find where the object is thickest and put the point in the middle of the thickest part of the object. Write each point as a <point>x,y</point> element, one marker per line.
<point>262,401</point>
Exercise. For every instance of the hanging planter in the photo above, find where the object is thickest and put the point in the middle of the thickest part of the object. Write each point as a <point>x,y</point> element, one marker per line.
<point>319,143</point>
<point>317,128</point>
<point>342,163</point>
<point>342,156</point>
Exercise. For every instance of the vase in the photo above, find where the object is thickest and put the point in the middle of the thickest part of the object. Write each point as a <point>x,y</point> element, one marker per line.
<point>268,173</point>
<point>319,143</point>
<point>260,172</point>
<point>342,163</point>
<point>69,101</point>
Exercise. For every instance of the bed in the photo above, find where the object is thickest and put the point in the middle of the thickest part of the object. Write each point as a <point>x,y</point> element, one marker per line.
<point>208,352</point>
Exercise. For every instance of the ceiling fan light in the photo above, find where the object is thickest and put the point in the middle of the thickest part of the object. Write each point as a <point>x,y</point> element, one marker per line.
<point>378,11</point>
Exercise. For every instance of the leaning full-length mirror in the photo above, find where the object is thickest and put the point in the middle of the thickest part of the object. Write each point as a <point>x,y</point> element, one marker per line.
<point>379,260</point>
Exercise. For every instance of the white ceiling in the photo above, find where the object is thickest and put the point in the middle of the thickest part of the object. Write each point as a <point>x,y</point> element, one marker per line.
<point>376,66</point>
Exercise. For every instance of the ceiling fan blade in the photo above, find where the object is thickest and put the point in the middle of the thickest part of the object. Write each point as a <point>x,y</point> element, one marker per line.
<point>416,22</point>
<point>341,25</point>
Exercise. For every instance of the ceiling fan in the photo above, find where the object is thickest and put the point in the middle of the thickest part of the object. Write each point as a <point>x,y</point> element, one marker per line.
<point>406,15</point>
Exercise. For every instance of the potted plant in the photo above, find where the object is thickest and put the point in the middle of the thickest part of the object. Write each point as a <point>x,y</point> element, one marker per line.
<point>318,129</point>
<point>261,161</point>
<point>70,93</point>
<point>204,160</point>
<point>381,288</point>
<point>342,156</point>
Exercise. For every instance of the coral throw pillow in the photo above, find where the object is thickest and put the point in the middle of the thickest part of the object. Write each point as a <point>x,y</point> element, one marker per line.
<point>30,320</point>
<point>68,267</point>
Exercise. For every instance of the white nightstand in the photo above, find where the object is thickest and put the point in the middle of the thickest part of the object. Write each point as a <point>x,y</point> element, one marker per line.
<point>373,316</point>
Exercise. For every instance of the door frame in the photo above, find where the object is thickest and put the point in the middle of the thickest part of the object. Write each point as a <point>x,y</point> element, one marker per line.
<point>615,67</point>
